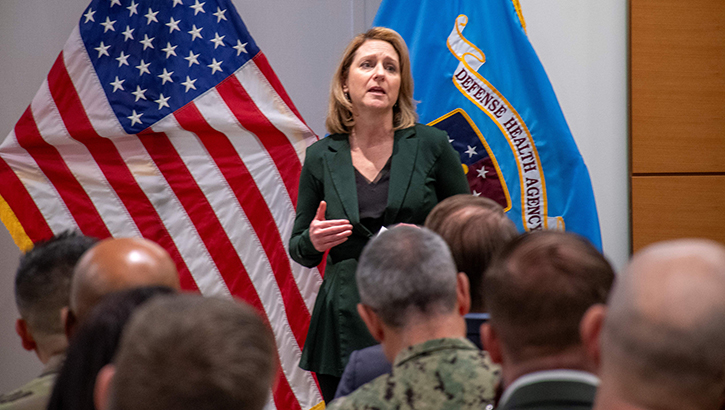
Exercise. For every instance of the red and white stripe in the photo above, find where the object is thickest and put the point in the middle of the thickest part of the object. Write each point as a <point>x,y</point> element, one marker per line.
<point>215,183</point>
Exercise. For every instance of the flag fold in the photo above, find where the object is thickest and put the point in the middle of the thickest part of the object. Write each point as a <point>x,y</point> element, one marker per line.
<point>163,119</point>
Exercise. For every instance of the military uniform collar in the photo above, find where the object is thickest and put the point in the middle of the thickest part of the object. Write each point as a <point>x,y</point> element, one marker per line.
<point>53,365</point>
<point>431,346</point>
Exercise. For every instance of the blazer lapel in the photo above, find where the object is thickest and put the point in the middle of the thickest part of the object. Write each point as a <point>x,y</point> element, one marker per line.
<point>339,165</point>
<point>405,151</point>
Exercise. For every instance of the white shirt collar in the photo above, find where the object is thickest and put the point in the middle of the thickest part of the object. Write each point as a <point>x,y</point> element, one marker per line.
<point>549,375</point>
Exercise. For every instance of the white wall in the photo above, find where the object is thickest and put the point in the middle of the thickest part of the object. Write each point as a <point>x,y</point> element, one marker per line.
<point>581,44</point>
<point>583,47</point>
<point>32,33</point>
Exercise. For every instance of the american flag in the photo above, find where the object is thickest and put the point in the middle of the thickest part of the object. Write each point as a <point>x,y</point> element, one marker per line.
<point>163,119</point>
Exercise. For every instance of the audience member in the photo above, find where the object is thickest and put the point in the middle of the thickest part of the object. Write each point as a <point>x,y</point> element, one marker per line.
<point>413,302</point>
<point>663,339</point>
<point>545,293</point>
<point>187,352</point>
<point>115,264</point>
<point>94,345</point>
<point>42,285</point>
<point>474,228</point>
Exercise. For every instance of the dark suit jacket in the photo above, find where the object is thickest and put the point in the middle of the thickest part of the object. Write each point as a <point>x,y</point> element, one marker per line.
<point>473,327</point>
<point>552,395</point>
<point>364,365</point>
<point>424,170</point>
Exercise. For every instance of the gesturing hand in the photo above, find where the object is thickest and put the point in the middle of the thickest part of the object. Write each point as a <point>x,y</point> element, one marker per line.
<point>325,234</point>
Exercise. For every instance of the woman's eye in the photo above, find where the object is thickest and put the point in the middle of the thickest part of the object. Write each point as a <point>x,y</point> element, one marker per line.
<point>365,64</point>
<point>392,68</point>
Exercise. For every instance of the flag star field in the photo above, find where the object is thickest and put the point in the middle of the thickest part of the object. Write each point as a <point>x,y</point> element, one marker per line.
<point>154,57</point>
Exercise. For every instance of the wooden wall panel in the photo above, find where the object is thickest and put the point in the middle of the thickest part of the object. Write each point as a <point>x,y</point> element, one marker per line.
<point>667,207</point>
<point>678,86</point>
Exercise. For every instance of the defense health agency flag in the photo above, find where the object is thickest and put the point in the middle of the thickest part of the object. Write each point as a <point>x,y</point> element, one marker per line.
<point>478,78</point>
<point>163,119</point>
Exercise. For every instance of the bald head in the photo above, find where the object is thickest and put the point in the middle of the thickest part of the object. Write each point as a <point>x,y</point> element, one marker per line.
<point>663,343</point>
<point>116,264</point>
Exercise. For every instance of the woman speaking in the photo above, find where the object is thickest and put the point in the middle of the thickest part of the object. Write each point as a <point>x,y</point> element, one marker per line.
<point>377,168</point>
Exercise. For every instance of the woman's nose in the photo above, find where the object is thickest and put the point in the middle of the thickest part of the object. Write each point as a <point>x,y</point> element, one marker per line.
<point>379,71</point>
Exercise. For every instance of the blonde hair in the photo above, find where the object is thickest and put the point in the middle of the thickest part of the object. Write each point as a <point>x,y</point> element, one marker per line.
<point>339,112</point>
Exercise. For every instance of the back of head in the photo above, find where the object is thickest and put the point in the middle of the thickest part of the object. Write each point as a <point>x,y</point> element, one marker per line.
<point>94,346</point>
<point>190,352</point>
<point>538,289</point>
<point>475,229</point>
<point>116,264</point>
<point>42,282</point>
<point>664,334</point>
<point>404,271</point>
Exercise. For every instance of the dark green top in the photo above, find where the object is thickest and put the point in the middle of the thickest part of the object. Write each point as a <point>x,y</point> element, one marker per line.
<point>424,170</point>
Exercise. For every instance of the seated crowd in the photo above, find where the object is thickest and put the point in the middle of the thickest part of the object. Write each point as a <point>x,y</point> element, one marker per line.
<point>469,315</point>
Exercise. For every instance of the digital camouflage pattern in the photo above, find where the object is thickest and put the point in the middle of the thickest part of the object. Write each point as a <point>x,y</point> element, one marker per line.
<point>35,394</point>
<point>446,373</point>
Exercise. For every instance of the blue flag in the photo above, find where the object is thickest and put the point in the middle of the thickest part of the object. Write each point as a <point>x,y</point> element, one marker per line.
<point>478,78</point>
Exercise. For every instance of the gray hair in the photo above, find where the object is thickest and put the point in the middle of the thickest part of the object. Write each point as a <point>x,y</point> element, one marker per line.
<point>663,341</point>
<point>406,270</point>
<point>187,352</point>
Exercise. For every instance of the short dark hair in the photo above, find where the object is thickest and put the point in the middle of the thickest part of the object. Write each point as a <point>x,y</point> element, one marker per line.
<point>475,229</point>
<point>539,288</point>
<point>94,345</point>
<point>191,352</point>
<point>42,281</point>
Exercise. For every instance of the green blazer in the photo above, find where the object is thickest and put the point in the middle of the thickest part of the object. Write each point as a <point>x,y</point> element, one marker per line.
<point>424,170</point>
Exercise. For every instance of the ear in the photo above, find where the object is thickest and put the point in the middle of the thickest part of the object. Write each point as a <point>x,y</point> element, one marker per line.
<point>590,329</point>
<point>491,343</point>
<point>64,316</point>
<point>463,294</point>
<point>372,321</point>
<point>69,322</point>
<point>26,338</point>
<point>102,388</point>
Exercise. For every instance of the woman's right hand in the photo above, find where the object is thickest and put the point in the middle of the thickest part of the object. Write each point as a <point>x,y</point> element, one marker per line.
<point>325,234</point>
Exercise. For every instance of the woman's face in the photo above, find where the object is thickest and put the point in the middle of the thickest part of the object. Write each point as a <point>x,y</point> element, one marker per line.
<point>373,80</point>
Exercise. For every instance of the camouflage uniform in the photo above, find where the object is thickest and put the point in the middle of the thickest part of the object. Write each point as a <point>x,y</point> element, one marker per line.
<point>35,394</point>
<point>437,374</point>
